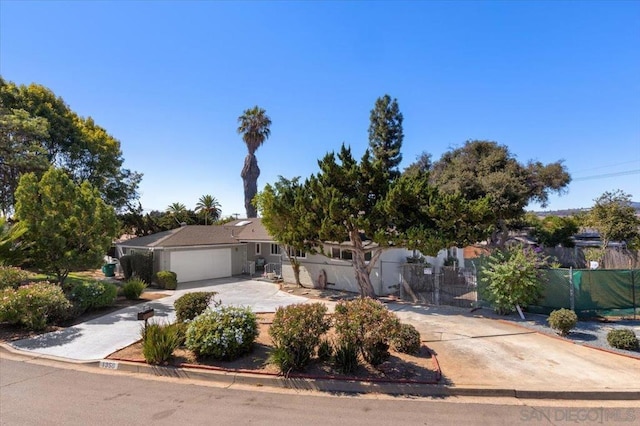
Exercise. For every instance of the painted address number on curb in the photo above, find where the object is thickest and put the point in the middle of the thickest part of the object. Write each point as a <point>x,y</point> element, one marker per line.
<point>111,365</point>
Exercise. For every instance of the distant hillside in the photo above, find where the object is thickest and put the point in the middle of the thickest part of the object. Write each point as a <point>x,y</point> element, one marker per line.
<point>571,212</point>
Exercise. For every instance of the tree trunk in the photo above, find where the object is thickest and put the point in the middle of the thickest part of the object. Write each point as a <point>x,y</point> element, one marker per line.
<point>295,264</point>
<point>360,266</point>
<point>250,174</point>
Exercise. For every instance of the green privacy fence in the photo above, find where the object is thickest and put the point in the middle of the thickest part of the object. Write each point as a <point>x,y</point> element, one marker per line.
<point>591,292</point>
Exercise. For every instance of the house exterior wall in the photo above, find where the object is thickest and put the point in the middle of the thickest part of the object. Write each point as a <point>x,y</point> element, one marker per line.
<point>265,253</point>
<point>238,259</point>
<point>385,276</point>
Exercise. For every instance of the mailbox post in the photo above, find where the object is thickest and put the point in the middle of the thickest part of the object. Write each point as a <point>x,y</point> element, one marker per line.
<point>145,315</point>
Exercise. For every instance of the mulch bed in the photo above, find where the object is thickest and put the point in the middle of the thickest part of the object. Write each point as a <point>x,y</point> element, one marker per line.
<point>419,368</point>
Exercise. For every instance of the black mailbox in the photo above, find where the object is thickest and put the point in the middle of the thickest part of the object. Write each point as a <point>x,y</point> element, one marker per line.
<point>145,315</point>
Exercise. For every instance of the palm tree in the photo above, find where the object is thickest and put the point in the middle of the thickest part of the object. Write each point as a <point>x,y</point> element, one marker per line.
<point>177,210</point>
<point>254,127</point>
<point>209,207</point>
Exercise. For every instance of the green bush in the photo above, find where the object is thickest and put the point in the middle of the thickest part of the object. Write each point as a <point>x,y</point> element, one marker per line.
<point>512,277</point>
<point>297,330</point>
<point>91,295</point>
<point>368,325</point>
<point>190,305</point>
<point>167,280</point>
<point>563,320</point>
<point>346,357</point>
<point>225,333</point>
<point>623,338</point>
<point>138,264</point>
<point>133,288</point>
<point>407,340</point>
<point>33,306</point>
<point>159,341</point>
<point>12,277</point>
<point>325,350</point>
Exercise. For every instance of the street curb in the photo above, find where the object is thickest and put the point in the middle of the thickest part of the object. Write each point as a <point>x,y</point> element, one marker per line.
<point>354,386</point>
<point>335,386</point>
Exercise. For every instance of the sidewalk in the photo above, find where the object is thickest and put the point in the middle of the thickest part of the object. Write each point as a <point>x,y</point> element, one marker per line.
<point>477,356</point>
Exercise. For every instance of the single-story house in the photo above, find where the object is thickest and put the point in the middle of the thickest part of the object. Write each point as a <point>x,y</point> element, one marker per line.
<point>199,252</point>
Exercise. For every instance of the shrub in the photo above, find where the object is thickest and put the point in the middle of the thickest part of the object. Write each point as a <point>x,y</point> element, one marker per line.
<point>512,277</point>
<point>159,341</point>
<point>138,264</point>
<point>167,280</point>
<point>623,338</point>
<point>190,305</point>
<point>563,320</point>
<point>297,330</point>
<point>133,288</point>
<point>12,277</point>
<point>33,306</point>
<point>346,357</point>
<point>368,325</point>
<point>93,295</point>
<point>325,350</point>
<point>225,333</point>
<point>407,339</point>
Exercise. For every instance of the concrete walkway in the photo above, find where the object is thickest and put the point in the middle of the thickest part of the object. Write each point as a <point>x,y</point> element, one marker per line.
<point>476,353</point>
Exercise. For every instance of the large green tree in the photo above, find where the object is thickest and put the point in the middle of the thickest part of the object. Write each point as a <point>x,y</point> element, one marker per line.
<point>209,208</point>
<point>20,152</point>
<point>69,227</point>
<point>70,142</point>
<point>386,133</point>
<point>284,208</point>
<point>254,126</point>
<point>486,169</point>
<point>615,219</point>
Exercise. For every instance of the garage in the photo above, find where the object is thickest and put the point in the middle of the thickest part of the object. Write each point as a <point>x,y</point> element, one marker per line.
<point>195,265</point>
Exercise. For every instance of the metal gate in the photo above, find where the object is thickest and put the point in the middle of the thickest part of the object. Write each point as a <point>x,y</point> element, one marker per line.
<point>448,286</point>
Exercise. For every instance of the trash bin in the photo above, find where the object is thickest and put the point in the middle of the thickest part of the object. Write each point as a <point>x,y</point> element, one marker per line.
<point>109,269</point>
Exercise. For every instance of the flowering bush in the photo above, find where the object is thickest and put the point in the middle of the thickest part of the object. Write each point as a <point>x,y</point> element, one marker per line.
<point>12,277</point>
<point>296,331</point>
<point>33,306</point>
<point>133,288</point>
<point>190,305</point>
<point>407,340</point>
<point>368,325</point>
<point>225,332</point>
<point>93,295</point>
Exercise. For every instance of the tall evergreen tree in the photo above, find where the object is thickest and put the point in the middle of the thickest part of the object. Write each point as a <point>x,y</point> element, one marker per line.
<point>385,134</point>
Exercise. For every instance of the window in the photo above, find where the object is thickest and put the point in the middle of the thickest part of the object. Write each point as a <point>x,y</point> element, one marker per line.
<point>258,248</point>
<point>275,249</point>
<point>335,253</point>
<point>367,256</point>
<point>346,255</point>
<point>299,254</point>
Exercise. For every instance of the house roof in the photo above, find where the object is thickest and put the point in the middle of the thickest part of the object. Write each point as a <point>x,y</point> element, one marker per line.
<point>234,232</point>
<point>253,230</point>
<point>190,235</point>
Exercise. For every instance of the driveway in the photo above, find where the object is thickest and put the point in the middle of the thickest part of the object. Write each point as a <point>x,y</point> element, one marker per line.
<point>96,339</point>
<point>474,351</point>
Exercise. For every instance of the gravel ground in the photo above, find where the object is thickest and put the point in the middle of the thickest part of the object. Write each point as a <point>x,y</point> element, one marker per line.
<point>587,332</point>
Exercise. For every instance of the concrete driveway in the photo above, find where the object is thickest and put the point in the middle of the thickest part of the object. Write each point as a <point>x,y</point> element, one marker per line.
<point>474,351</point>
<point>97,338</point>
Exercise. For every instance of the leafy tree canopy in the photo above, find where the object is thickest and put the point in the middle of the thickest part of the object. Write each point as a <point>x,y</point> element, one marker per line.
<point>386,134</point>
<point>40,128</point>
<point>615,219</point>
<point>553,231</point>
<point>68,226</point>
<point>485,169</point>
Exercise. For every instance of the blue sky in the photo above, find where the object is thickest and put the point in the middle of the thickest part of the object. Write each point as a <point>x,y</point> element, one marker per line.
<point>551,80</point>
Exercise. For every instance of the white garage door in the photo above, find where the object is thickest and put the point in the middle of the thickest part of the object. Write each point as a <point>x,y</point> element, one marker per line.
<point>194,265</point>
